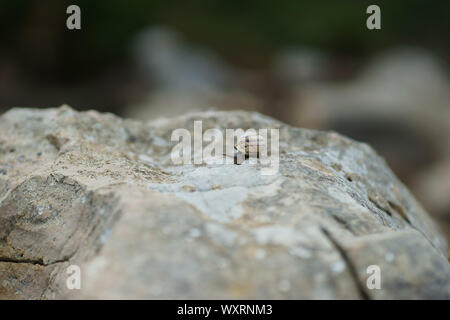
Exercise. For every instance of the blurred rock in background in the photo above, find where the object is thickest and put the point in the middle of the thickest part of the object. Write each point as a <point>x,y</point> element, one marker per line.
<point>432,187</point>
<point>182,77</point>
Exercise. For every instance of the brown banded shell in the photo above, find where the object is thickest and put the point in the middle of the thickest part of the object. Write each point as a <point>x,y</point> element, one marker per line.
<point>250,143</point>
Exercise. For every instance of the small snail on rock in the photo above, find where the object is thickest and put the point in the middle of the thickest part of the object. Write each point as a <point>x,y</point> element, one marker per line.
<point>247,145</point>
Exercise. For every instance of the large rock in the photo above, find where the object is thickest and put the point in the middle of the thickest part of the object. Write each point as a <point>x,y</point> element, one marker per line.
<point>101,192</point>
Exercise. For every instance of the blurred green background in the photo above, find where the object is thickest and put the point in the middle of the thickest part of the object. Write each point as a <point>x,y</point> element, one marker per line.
<point>33,37</point>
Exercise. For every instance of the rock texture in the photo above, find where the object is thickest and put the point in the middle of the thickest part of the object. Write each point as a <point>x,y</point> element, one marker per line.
<point>94,190</point>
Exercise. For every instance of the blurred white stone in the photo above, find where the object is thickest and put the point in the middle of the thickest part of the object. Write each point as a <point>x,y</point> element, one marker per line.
<point>184,78</point>
<point>166,60</point>
<point>299,65</point>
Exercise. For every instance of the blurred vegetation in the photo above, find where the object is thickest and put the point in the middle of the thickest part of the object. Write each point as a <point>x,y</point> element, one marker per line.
<point>245,32</point>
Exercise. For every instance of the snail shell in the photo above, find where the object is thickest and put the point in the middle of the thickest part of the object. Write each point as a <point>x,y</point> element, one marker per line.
<point>250,143</point>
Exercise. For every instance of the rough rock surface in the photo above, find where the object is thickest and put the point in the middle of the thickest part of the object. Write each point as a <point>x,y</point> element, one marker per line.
<point>100,192</point>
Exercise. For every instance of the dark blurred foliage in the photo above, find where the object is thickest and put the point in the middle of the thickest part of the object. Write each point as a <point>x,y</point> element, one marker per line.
<point>245,32</point>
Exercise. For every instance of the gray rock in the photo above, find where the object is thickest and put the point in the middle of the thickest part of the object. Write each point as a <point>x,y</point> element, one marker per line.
<point>100,192</point>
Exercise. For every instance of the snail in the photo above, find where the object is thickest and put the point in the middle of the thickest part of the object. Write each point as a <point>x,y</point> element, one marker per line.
<point>248,144</point>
